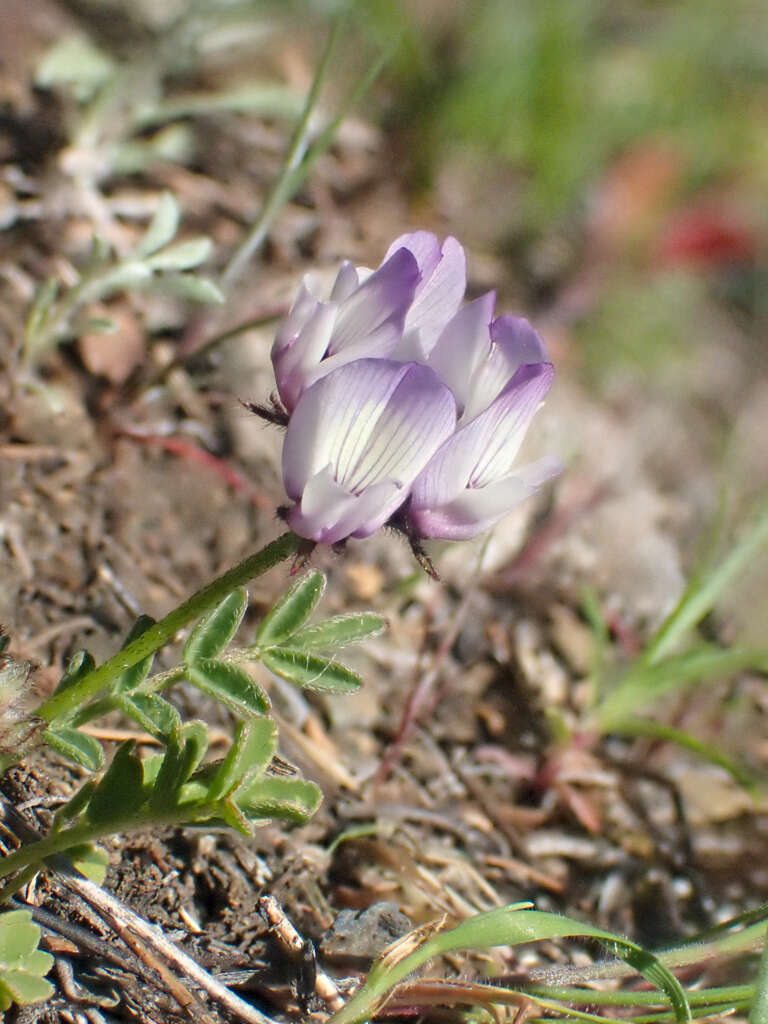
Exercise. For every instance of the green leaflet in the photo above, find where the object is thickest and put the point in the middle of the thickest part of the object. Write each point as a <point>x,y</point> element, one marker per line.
<point>75,745</point>
<point>291,610</point>
<point>310,671</point>
<point>251,751</point>
<point>215,630</point>
<point>229,684</point>
<point>22,964</point>
<point>339,631</point>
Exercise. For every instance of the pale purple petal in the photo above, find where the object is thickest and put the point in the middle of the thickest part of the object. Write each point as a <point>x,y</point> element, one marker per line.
<point>419,416</point>
<point>371,510</point>
<point>463,346</point>
<point>425,248</point>
<point>363,432</point>
<point>379,344</point>
<point>346,281</point>
<point>520,341</point>
<point>486,444</point>
<point>294,363</point>
<point>328,512</point>
<point>333,416</point>
<point>472,512</point>
<point>383,298</point>
<point>476,510</point>
<point>470,483</point>
<point>304,305</point>
<point>508,419</point>
<point>513,343</point>
<point>439,292</point>
<point>439,295</point>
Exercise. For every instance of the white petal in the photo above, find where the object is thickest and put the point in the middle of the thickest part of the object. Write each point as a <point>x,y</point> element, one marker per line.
<point>419,415</point>
<point>346,281</point>
<point>463,346</point>
<point>333,420</point>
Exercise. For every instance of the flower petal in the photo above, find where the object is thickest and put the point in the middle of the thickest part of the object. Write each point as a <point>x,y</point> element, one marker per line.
<point>508,418</point>
<point>463,346</point>
<point>472,512</point>
<point>419,416</point>
<point>440,295</point>
<point>346,281</point>
<point>482,451</point>
<point>295,363</point>
<point>370,420</point>
<point>476,510</point>
<point>342,407</point>
<point>328,513</point>
<point>382,298</point>
<point>425,248</point>
<point>514,343</point>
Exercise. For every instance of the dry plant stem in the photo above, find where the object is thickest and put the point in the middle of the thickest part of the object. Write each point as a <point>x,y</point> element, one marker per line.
<point>122,918</point>
<point>423,689</point>
<point>189,1002</point>
<point>206,347</point>
<point>275,917</point>
<point>163,631</point>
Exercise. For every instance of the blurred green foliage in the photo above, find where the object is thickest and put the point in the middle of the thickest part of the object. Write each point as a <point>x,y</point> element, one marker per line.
<point>555,87</point>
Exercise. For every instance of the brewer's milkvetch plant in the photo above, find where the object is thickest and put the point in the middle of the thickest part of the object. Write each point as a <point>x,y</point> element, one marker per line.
<point>401,407</point>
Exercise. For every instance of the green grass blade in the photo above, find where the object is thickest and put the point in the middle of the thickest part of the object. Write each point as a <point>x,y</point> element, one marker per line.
<point>701,594</point>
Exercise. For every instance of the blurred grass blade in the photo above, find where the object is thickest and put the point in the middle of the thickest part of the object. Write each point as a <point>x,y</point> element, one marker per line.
<point>758,1013</point>
<point>701,594</point>
<point>182,256</point>
<point>669,734</point>
<point>189,287</point>
<point>510,925</point>
<point>301,157</point>
<point>646,683</point>
<point>162,228</point>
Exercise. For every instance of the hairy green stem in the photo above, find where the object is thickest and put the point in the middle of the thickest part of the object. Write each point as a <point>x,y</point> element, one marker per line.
<point>29,858</point>
<point>69,700</point>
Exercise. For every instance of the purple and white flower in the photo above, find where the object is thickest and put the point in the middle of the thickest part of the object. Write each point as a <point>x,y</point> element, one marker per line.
<point>471,481</point>
<point>404,407</point>
<point>356,441</point>
<point>369,314</point>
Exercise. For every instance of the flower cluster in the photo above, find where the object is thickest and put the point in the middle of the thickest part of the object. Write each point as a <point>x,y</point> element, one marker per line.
<point>402,404</point>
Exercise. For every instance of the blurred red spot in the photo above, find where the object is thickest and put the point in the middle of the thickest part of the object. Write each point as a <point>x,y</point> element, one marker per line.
<point>706,237</point>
